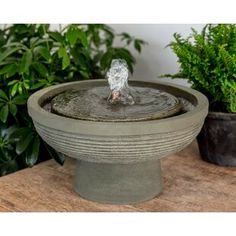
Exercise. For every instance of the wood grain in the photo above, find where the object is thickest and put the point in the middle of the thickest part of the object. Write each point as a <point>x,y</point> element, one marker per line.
<point>190,184</point>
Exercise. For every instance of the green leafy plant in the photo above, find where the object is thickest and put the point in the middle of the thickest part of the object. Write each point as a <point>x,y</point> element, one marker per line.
<point>208,61</point>
<point>33,57</point>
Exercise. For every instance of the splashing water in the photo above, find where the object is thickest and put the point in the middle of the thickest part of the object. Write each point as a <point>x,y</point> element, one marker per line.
<point>124,103</point>
<point>117,77</point>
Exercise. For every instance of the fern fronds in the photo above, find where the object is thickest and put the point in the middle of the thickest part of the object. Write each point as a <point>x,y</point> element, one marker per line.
<point>208,61</point>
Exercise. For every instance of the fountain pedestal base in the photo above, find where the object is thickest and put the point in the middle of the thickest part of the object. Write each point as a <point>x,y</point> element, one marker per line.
<point>118,183</point>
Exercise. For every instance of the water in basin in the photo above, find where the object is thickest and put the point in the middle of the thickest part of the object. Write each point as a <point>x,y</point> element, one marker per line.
<point>118,101</point>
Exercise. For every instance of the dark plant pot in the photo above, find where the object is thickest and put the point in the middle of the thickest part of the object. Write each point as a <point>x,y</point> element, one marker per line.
<point>217,139</point>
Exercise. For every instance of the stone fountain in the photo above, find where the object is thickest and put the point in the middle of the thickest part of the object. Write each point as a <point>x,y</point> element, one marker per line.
<point>118,133</point>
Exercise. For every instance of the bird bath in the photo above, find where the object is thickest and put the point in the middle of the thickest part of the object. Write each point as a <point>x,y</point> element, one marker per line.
<point>118,135</point>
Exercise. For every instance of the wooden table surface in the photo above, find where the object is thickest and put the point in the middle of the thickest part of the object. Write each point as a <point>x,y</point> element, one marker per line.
<point>190,184</point>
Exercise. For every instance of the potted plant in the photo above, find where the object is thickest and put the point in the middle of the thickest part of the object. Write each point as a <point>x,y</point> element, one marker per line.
<point>33,56</point>
<point>208,61</point>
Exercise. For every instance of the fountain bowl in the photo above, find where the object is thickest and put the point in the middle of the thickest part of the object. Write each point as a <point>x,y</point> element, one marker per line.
<point>118,162</point>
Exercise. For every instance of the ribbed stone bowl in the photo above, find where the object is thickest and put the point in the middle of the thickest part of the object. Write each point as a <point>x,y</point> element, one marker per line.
<point>118,162</point>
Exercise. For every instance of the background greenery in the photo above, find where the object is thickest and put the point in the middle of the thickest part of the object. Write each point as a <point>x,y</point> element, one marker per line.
<point>33,57</point>
<point>208,61</point>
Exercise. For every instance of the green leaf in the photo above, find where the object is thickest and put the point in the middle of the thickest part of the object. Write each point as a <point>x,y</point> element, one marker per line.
<point>137,45</point>
<point>23,143</point>
<point>15,44</point>
<point>9,131</point>
<point>8,52</point>
<point>4,113</point>
<point>65,58</point>
<point>61,52</point>
<point>19,133</point>
<point>125,36</point>
<point>80,58</point>
<point>13,109</point>
<point>3,95</point>
<point>41,41</point>
<point>96,38</point>
<point>83,38</point>
<point>5,131</point>
<point>38,85</point>
<point>12,82</point>
<point>14,89</point>
<point>72,35</point>
<point>45,53</point>
<point>8,61</point>
<point>9,70</point>
<point>84,74</point>
<point>20,99</point>
<point>57,156</point>
<point>40,68</point>
<point>8,166</point>
<point>106,59</point>
<point>33,41</point>
<point>26,84</point>
<point>32,155</point>
<point>26,62</point>
<point>20,90</point>
<point>57,36</point>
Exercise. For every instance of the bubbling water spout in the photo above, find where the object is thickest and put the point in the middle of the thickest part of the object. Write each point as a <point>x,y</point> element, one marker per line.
<point>117,77</point>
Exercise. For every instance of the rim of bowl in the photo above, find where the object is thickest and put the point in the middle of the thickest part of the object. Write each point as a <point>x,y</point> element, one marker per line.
<point>87,127</point>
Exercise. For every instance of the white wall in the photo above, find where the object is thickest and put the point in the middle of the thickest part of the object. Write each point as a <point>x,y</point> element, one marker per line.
<point>155,59</point>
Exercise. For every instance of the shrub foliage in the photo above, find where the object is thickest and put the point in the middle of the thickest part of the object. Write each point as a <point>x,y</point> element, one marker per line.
<point>208,61</point>
<point>35,56</point>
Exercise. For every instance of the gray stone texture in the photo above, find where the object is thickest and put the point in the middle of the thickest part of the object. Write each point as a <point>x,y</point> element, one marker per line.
<point>124,155</point>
